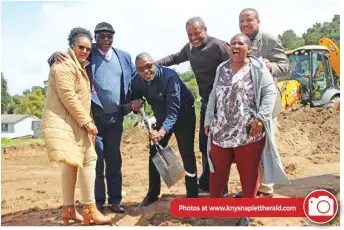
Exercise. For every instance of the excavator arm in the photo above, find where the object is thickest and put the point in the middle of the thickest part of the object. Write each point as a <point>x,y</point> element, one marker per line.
<point>334,53</point>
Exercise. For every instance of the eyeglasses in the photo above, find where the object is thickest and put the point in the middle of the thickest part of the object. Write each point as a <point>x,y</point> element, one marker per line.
<point>83,48</point>
<point>146,66</point>
<point>103,36</point>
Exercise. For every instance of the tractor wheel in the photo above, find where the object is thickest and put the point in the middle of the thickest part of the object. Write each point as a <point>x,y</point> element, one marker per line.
<point>334,103</point>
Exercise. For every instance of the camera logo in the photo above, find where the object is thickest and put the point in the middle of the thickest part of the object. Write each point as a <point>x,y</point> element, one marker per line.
<point>320,206</point>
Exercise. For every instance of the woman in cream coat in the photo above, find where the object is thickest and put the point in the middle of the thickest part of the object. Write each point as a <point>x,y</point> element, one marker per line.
<point>68,128</point>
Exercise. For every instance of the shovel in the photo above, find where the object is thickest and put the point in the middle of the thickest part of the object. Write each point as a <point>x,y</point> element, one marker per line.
<point>165,161</point>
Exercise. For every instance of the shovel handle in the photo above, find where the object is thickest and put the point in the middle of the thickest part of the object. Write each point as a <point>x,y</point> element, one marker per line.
<point>157,145</point>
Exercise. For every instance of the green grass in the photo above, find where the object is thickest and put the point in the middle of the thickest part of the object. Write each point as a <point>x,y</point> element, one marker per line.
<point>6,142</point>
<point>198,105</point>
<point>127,123</point>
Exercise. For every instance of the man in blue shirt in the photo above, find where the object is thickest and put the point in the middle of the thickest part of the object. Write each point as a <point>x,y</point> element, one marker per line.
<point>173,106</point>
<point>110,73</point>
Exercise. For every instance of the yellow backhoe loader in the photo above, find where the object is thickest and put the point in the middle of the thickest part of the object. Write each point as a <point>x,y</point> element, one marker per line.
<point>314,77</point>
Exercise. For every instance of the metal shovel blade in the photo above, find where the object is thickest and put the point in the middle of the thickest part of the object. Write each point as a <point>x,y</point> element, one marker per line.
<point>165,161</point>
<point>168,166</point>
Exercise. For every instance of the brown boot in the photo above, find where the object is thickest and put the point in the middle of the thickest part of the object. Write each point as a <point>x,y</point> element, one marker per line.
<point>69,213</point>
<point>91,213</point>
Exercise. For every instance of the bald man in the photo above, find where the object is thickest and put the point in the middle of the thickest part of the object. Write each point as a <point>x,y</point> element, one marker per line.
<point>270,49</point>
<point>205,54</point>
<point>173,106</point>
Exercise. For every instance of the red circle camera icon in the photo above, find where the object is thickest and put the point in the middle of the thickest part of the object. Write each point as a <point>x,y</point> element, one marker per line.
<point>320,206</point>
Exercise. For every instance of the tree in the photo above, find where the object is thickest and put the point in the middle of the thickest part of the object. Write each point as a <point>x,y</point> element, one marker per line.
<point>290,40</point>
<point>193,87</point>
<point>327,29</point>
<point>5,96</point>
<point>187,76</point>
<point>15,102</point>
<point>26,92</point>
<point>32,103</point>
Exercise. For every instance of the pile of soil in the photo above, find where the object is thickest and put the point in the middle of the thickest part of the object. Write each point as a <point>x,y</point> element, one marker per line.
<point>308,141</point>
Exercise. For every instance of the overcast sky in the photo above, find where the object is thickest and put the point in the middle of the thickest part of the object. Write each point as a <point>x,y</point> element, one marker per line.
<point>32,31</point>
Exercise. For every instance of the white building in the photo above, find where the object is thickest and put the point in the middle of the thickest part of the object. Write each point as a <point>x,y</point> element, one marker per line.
<point>18,125</point>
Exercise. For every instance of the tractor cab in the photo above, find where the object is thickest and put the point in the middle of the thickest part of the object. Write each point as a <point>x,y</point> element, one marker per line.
<point>311,80</point>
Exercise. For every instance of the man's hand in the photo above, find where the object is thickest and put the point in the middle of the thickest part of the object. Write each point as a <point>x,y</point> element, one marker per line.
<point>137,105</point>
<point>267,64</point>
<point>206,130</point>
<point>157,135</point>
<point>60,56</point>
<point>256,128</point>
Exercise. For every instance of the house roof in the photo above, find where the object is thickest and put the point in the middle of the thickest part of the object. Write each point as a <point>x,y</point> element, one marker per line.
<point>15,118</point>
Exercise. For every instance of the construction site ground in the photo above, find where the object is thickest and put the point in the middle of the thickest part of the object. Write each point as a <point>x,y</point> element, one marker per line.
<point>308,142</point>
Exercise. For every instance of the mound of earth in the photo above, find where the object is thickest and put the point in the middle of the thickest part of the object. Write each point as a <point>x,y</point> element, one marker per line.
<point>308,141</point>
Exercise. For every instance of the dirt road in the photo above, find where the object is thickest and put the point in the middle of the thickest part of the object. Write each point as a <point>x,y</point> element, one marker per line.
<point>308,141</point>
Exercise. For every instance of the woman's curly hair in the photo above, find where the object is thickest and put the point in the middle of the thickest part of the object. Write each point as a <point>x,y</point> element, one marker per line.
<point>78,32</point>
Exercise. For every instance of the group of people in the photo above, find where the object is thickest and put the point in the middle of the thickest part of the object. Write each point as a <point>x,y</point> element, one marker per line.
<point>93,86</point>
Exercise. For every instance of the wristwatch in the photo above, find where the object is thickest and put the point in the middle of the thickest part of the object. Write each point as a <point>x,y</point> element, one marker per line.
<point>161,135</point>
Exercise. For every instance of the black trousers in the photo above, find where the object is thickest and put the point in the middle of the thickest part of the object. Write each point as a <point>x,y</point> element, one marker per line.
<point>108,141</point>
<point>203,140</point>
<point>184,131</point>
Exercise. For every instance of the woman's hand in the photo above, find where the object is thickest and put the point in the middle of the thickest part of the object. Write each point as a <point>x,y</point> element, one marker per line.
<point>91,129</point>
<point>206,130</point>
<point>256,128</point>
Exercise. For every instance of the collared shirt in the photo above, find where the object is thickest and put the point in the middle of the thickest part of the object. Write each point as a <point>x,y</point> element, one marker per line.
<point>254,36</point>
<point>107,55</point>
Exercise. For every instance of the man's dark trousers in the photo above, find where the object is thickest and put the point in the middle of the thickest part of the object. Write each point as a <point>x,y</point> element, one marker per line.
<point>108,143</point>
<point>203,140</point>
<point>184,131</point>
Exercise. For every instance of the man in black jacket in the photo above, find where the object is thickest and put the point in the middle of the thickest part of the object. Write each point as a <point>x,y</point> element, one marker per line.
<point>173,106</point>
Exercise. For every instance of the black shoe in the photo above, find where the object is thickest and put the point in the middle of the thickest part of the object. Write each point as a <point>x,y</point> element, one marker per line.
<point>259,194</point>
<point>225,195</point>
<point>243,221</point>
<point>148,201</point>
<point>116,208</point>
<point>238,195</point>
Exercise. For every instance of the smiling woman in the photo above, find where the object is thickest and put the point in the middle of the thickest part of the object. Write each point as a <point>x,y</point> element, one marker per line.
<point>68,128</point>
<point>244,96</point>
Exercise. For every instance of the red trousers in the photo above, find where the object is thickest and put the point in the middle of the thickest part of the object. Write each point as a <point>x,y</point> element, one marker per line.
<point>247,159</point>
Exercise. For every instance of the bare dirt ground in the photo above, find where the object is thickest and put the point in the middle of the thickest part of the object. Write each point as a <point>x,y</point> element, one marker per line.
<point>308,141</point>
